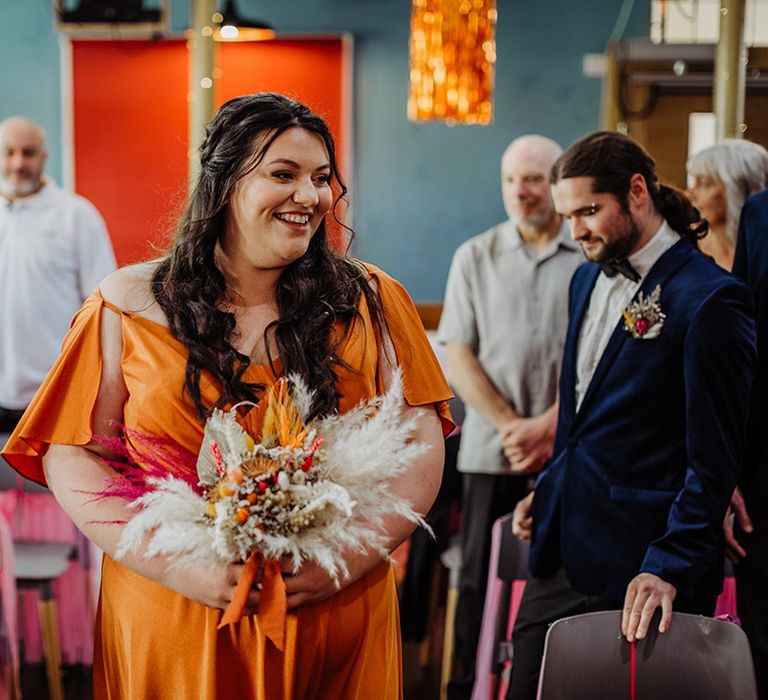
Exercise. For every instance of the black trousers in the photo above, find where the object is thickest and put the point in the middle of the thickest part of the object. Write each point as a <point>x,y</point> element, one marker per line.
<point>545,600</point>
<point>425,551</point>
<point>752,599</point>
<point>486,497</point>
<point>9,417</point>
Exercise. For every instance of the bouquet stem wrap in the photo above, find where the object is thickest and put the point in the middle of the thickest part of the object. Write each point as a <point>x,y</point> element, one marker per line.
<point>272,603</point>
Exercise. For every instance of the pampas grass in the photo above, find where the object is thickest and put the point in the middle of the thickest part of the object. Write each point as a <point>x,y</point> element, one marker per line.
<point>330,494</point>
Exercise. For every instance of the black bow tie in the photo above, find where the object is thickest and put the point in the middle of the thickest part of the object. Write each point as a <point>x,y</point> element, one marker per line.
<point>623,267</point>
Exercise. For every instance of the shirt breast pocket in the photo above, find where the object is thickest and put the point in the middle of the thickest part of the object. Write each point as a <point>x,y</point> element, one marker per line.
<point>52,252</point>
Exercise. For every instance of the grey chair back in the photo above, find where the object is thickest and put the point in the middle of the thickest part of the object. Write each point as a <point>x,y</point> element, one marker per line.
<point>698,658</point>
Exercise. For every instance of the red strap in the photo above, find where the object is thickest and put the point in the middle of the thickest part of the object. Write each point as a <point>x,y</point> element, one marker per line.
<point>632,671</point>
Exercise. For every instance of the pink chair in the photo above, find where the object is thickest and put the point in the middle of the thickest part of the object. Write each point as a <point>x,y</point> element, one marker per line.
<point>9,640</point>
<point>37,566</point>
<point>54,582</point>
<point>507,570</point>
<point>39,518</point>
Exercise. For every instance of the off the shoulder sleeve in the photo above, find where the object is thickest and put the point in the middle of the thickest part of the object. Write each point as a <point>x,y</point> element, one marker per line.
<point>423,379</point>
<point>60,412</point>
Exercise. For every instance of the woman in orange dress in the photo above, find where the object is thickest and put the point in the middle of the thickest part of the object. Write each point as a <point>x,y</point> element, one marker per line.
<point>249,291</point>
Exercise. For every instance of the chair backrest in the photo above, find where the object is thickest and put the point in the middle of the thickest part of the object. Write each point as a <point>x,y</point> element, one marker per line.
<point>585,657</point>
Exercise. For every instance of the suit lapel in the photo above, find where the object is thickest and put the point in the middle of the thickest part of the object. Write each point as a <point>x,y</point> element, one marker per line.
<point>581,294</point>
<point>663,269</point>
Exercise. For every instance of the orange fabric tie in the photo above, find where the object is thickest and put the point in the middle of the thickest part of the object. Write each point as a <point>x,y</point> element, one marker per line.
<point>272,603</point>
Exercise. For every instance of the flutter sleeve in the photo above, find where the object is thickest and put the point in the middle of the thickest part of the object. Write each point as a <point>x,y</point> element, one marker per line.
<point>423,379</point>
<point>61,411</point>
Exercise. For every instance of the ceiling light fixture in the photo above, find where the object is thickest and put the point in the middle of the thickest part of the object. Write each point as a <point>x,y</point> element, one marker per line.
<point>452,57</point>
<point>230,26</point>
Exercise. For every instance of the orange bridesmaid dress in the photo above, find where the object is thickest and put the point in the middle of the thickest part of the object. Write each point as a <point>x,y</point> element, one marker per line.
<point>151,642</point>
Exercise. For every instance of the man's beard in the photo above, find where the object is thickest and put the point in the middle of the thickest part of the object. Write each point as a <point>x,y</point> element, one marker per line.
<point>619,248</point>
<point>19,189</point>
<point>539,219</point>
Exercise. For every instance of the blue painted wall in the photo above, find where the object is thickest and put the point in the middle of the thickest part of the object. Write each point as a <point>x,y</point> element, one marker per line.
<point>29,79</point>
<point>419,189</point>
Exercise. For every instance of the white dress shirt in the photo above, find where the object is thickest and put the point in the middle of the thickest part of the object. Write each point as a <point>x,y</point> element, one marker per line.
<point>609,298</point>
<point>54,250</point>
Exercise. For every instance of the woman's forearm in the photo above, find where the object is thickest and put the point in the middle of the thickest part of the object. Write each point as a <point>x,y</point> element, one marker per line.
<point>76,476</point>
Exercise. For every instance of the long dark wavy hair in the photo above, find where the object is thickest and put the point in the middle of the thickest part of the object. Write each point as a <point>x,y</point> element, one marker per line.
<point>611,159</point>
<point>314,293</point>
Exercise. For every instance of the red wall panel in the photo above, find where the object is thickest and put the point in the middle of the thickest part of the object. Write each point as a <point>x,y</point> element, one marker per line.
<point>130,121</point>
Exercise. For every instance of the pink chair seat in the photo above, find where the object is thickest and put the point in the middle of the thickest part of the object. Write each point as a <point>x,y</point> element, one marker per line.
<point>37,517</point>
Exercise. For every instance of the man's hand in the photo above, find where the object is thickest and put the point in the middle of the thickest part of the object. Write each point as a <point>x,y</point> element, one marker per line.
<point>522,522</point>
<point>645,593</point>
<point>527,442</point>
<point>738,510</point>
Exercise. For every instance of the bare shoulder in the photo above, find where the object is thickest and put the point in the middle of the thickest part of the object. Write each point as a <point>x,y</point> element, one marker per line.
<point>130,290</point>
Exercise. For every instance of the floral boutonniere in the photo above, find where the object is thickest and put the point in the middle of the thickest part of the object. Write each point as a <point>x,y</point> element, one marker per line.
<point>643,317</point>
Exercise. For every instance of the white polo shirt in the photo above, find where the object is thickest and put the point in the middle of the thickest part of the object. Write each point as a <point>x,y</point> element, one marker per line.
<point>54,250</point>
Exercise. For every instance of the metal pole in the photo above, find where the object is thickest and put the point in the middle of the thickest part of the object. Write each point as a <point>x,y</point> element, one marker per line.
<point>730,70</point>
<point>201,85</point>
<point>609,110</point>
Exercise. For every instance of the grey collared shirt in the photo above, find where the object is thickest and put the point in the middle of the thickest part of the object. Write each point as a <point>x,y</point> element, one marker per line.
<point>509,304</point>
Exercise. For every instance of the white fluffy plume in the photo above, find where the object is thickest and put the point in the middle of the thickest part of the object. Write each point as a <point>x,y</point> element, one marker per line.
<point>341,505</point>
<point>172,516</point>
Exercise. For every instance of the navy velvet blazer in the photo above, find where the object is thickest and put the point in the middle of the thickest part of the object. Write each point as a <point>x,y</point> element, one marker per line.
<point>641,475</point>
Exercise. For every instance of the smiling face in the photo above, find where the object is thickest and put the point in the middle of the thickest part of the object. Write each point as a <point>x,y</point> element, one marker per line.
<point>277,206</point>
<point>525,190</point>
<point>606,230</point>
<point>22,157</point>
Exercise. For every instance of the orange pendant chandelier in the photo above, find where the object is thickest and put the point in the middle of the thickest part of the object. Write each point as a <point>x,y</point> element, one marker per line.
<point>452,54</point>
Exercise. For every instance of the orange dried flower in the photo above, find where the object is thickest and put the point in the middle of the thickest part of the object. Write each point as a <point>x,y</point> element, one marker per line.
<point>259,465</point>
<point>281,418</point>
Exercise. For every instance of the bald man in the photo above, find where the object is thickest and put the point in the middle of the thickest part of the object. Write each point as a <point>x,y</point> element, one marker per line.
<point>503,324</point>
<point>54,249</point>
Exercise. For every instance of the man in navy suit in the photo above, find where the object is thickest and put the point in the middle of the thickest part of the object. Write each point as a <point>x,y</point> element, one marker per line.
<point>654,396</point>
<point>750,548</point>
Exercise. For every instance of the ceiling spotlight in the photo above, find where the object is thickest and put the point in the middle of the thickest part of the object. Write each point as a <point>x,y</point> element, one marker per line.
<point>233,27</point>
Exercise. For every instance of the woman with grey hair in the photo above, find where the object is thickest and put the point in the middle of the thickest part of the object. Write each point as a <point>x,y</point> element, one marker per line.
<point>722,177</point>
